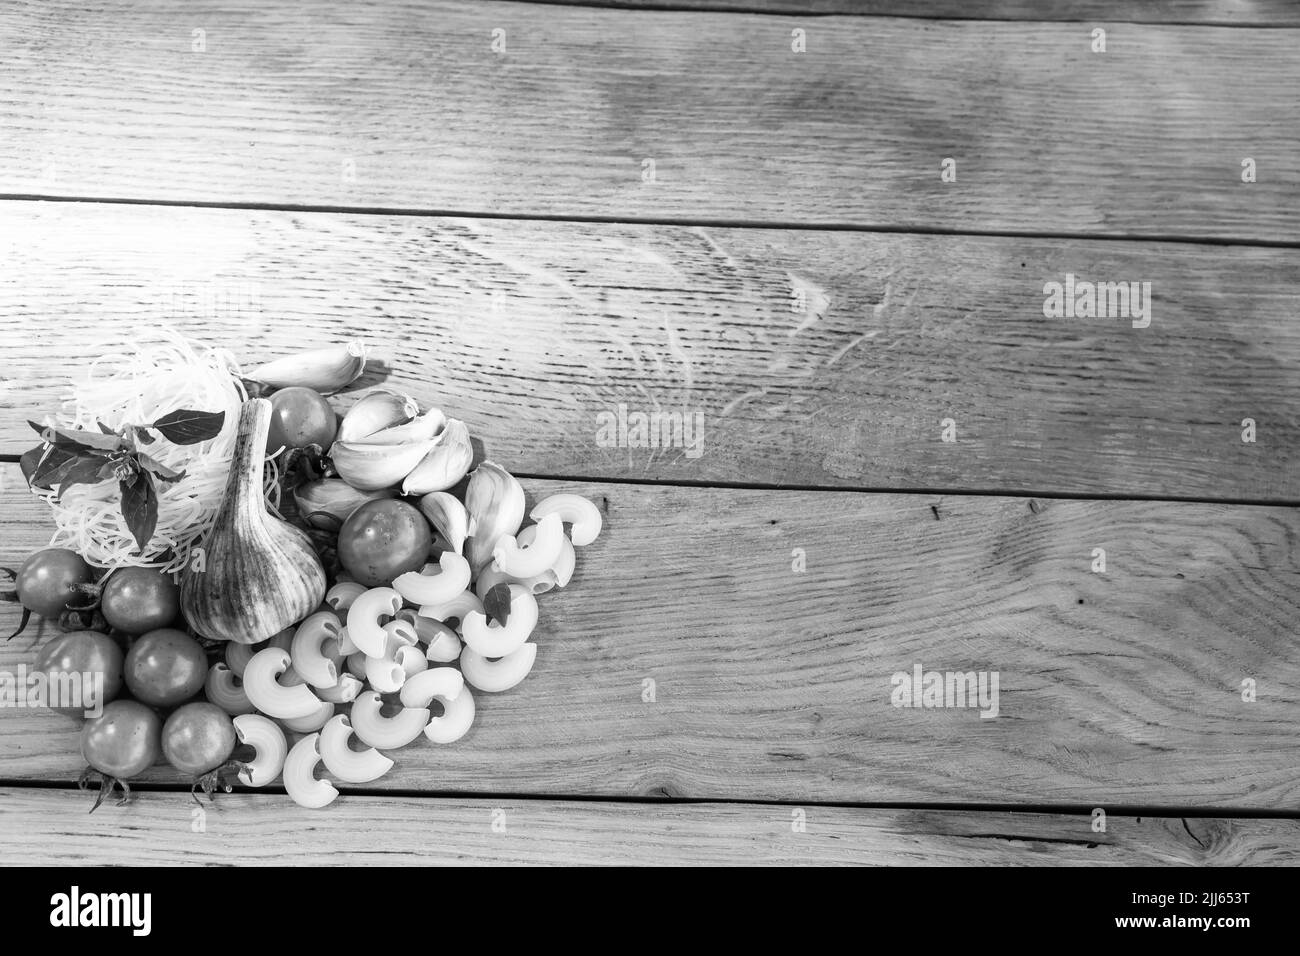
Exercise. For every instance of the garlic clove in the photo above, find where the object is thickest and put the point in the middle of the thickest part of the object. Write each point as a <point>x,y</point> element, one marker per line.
<point>372,467</point>
<point>325,370</point>
<point>378,409</point>
<point>445,464</point>
<point>327,502</point>
<point>448,516</point>
<point>495,503</point>
<point>421,428</point>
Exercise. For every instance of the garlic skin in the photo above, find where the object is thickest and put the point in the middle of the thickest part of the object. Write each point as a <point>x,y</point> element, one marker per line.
<point>378,409</point>
<point>327,500</point>
<point>495,503</point>
<point>325,370</point>
<point>448,517</point>
<point>258,575</point>
<point>373,467</point>
<point>445,464</point>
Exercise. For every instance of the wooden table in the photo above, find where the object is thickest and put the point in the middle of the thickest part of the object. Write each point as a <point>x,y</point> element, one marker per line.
<point>536,213</point>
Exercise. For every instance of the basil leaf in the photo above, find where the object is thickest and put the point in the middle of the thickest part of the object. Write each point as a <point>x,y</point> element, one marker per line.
<point>140,509</point>
<point>53,465</point>
<point>185,427</point>
<point>142,434</point>
<point>78,438</point>
<point>497,603</point>
<point>158,469</point>
<point>84,471</point>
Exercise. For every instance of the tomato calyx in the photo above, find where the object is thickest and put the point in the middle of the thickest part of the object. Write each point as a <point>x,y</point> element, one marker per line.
<point>11,597</point>
<point>107,783</point>
<point>219,779</point>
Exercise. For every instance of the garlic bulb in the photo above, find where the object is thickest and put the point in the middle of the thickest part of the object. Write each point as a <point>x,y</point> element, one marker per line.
<point>495,503</point>
<point>256,575</point>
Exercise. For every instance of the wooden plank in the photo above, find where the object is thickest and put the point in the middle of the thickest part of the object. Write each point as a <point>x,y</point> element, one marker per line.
<point>407,106</point>
<point>1116,689</point>
<point>51,827</point>
<point>532,331</point>
<point>1231,12</point>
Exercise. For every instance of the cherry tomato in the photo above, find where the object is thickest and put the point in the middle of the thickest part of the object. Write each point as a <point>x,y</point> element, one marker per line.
<point>382,539</point>
<point>138,600</point>
<point>165,667</point>
<point>47,580</point>
<point>198,737</point>
<point>80,653</point>
<point>300,417</point>
<point>124,740</point>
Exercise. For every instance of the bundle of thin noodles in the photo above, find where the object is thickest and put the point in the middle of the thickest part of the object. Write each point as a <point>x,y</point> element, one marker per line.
<point>155,372</point>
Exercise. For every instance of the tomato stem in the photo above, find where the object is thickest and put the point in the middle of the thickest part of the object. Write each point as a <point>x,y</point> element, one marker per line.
<point>107,783</point>
<point>217,779</point>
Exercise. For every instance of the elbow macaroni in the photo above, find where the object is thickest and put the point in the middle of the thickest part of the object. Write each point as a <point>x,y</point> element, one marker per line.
<point>270,748</point>
<point>364,628</point>
<point>268,695</point>
<point>299,775</point>
<point>348,765</point>
<point>425,588</point>
<point>447,686</point>
<point>496,640</point>
<point>496,676</point>
<point>575,510</point>
<point>222,691</point>
<point>309,658</point>
<point>529,561</point>
<point>453,610</point>
<point>386,733</point>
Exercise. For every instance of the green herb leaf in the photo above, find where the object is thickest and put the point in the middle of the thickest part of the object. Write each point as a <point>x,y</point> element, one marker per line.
<point>185,427</point>
<point>497,603</point>
<point>158,469</point>
<point>139,508</point>
<point>104,428</point>
<point>78,438</point>
<point>29,460</point>
<point>142,434</point>
<point>53,465</point>
<point>84,471</point>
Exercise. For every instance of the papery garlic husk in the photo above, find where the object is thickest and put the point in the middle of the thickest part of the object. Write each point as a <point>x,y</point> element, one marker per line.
<point>374,411</point>
<point>254,575</point>
<point>448,516</point>
<point>372,467</point>
<point>327,502</point>
<point>325,370</point>
<point>421,428</point>
<point>445,464</point>
<point>495,503</point>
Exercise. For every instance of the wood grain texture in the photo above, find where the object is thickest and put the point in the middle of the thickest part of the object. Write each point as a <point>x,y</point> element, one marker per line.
<point>1243,12</point>
<point>530,331</point>
<point>407,106</point>
<point>51,828</point>
<point>1116,689</point>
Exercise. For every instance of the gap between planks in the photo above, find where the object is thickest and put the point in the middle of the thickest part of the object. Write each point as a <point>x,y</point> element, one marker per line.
<point>687,222</point>
<point>1042,809</point>
<point>54,828</point>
